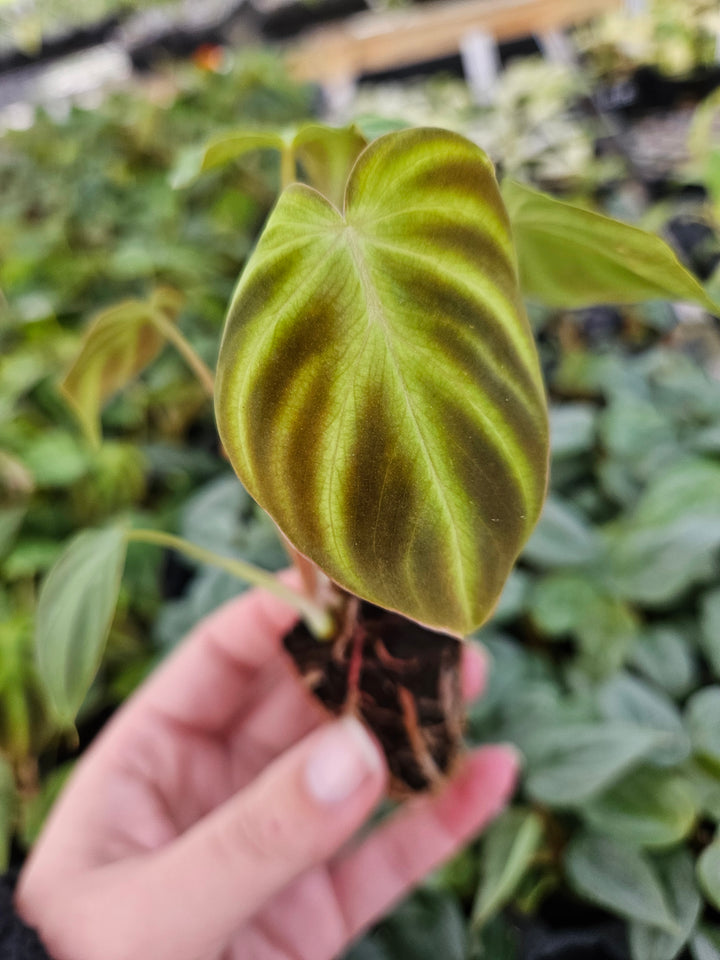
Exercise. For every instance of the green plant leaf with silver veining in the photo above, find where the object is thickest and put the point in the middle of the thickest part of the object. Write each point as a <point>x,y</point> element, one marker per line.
<point>378,388</point>
<point>571,257</point>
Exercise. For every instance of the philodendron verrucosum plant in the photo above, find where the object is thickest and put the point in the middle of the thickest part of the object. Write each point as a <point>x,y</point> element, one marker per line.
<point>378,393</point>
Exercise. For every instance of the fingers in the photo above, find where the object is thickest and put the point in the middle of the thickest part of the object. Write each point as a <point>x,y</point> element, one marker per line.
<point>371,878</point>
<point>295,815</point>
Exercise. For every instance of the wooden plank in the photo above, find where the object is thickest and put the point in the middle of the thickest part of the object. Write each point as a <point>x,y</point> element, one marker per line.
<point>370,42</point>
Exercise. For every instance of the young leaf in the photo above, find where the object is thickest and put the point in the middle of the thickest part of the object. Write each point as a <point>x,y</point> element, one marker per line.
<point>75,609</point>
<point>508,849</point>
<point>326,155</point>
<point>708,872</point>
<point>378,388</point>
<point>119,343</point>
<point>619,878</point>
<point>675,871</point>
<point>570,257</point>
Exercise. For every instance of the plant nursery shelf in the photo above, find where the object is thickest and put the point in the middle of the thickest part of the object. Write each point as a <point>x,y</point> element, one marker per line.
<point>371,42</point>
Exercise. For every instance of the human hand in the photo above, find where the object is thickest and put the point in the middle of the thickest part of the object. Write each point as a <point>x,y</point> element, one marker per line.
<point>211,818</point>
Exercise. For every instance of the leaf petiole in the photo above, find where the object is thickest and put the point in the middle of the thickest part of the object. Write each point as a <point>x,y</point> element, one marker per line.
<point>318,619</point>
<point>186,351</point>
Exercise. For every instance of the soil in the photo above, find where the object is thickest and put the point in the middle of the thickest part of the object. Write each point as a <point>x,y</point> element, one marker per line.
<point>402,680</point>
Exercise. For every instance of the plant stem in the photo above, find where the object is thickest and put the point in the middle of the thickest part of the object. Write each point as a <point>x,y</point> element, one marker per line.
<point>318,619</point>
<point>196,364</point>
<point>287,167</point>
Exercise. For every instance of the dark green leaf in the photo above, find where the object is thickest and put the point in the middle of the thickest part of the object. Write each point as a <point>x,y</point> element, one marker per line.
<point>702,716</point>
<point>630,699</point>
<point>710,629</point>
<point>569,764</point>
<point>75,609</point>
<point>8,809</point>
<point>647,808</point>
<point>678,882</point>
<point>618,878</point>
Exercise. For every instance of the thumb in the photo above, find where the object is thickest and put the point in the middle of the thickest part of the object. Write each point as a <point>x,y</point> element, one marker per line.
<point>295,815</point>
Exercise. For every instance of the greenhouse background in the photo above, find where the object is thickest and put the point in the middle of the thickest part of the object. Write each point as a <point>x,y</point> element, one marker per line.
<point>605,646</point>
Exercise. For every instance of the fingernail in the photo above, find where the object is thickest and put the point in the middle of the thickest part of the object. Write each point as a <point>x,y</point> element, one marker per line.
<point>344,756</point>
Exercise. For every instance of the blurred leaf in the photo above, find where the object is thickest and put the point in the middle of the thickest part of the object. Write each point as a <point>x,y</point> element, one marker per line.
<point>572,429</point>
<point>705,944</point>
<point>664,655</point>
<point>35,811</point>
<point>571,257</point>
<point>668,541</point>
<point>569,764</point>
<point>702,716</point>
<point>630,699</point>
<point>8,808</point>
<point>508,849</point>
<point>710,629</point>
<point>618,878</point>
<point>11,519</point>
<point>708,872</point>
<point>647,808</point>
<point>513,598</point>
<point>30,557</point>
<point>562,538</point>
<point>705,785</point>
<point>75,609</point>
<point>55,458</point>
<point>426,926</point>
<point>220,150</point>
<point>635,430</point>
<point>678,881</point>
<point>118,344</point>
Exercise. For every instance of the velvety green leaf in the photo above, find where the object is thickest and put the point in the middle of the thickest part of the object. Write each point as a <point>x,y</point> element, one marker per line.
<point>571,257</point>
<point>710,629</point>
<point>632,700</point>
<point>8,808</point>
<point>572,429</point>
<point>708,872</point>
<point>702,716</point>
<point>378,388</point>
<point>325,154</point>
<point>562,538</point>
<point>569,764</point>
<point>11,519</point>
<point>668,542</point>
<point>119,343</point>
<point>508,849</point>
<point>664,655</point>
<point>75,609</point>
<point>676,874</point>
<point>619,878</point>
<point>647,808</point>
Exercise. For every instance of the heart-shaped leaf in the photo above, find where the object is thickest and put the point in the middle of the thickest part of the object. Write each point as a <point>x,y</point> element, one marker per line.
<point>325,154</point>
<point>571,257</point>
<point>119,343</point>
<point>378,388</point>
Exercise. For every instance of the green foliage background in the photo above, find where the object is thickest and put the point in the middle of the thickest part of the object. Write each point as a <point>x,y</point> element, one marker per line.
<point>606,645</point>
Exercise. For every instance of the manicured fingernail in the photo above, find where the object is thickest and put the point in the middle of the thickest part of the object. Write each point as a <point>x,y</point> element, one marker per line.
<point>342,759</point>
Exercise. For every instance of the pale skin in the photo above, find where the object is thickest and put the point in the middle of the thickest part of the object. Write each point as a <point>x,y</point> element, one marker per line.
<point>214,817</point>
